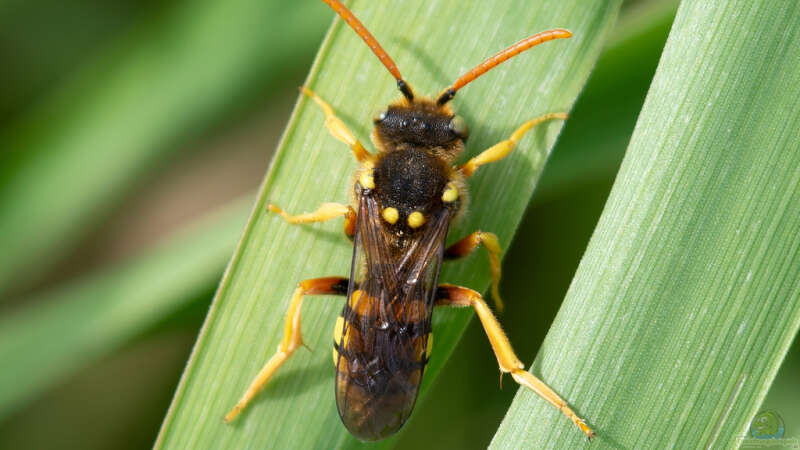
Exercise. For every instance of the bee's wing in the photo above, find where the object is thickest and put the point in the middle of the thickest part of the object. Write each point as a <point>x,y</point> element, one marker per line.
<point>387,321</point>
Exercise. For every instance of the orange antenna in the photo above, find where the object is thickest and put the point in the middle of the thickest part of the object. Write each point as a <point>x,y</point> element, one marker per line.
<point>510,52</point>
<point>372,43</point>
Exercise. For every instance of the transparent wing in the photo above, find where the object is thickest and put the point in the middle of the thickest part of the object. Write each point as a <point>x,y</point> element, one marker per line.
<point>387,321</point>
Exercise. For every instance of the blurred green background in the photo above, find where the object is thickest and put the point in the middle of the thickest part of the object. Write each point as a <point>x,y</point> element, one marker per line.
<point>132,135</point>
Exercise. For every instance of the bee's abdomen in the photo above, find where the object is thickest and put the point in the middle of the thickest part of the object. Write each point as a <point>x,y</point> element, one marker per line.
<point>378,372</point>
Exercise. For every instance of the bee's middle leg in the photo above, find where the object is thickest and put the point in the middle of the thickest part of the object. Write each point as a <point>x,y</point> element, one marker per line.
<point>292,338</point>
<point>468,245</point>
<point>326,211</point>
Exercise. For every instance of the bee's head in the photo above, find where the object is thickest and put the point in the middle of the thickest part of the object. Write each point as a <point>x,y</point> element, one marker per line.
<point>421,123</point>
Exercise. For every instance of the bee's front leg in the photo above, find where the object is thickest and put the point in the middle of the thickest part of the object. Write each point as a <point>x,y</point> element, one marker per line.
<point>503,148</point>
<point>338,129</point>
<point>449,295</point>
<point>292,338</point>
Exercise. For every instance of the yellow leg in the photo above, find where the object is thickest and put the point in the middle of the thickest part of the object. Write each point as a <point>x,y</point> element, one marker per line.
<point>489,240</point>
<point>326,211</point>
<point>292,338</point>
<point>503,148</point>
<point>338,129</point>
<point>450,295</point>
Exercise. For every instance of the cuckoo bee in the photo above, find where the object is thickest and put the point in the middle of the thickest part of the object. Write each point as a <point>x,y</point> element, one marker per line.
<point>406,195</point>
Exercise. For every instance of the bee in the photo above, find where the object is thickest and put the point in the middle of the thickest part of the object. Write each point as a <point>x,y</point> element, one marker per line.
<point>405,197</point>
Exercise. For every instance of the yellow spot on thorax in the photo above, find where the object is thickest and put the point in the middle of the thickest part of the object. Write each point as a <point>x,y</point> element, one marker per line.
<point>366,179</point>
<point>390,215</point>
<point>416,219</point>
<point>450,193</point>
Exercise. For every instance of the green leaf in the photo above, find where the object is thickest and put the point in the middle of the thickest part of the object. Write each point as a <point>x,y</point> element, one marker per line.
<point>79,152</point>
<point>688,296</point>
<point>67,329</point>
<point>433,42</point>
<point>593,143</point>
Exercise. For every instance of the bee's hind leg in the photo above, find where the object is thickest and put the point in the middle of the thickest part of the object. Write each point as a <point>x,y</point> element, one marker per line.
<point>449,295</point>
<point>292,338</point>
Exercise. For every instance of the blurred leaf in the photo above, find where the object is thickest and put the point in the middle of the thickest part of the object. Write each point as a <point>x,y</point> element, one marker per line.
<point>687,298</point>
<point>43,42</point>
<point>594,140</point>
<point>117,402</point>
<point>246,319</point>
<point>80,151</point>
<point>76,325</point>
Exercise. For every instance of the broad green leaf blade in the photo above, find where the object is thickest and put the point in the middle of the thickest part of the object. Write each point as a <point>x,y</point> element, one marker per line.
<point>689,294</point>
<point>77,324</point>
<point>123,113</point>
<point>433,42</point>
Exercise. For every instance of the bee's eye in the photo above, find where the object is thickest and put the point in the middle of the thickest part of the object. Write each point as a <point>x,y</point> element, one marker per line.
<point>381,117</point>
<point>459,126</point>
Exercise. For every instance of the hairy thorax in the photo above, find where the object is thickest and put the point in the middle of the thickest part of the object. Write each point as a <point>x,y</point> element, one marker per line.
<point>410,180</point>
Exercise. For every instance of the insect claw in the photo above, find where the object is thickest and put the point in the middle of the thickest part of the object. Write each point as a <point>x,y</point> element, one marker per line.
<point>590,434</point>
